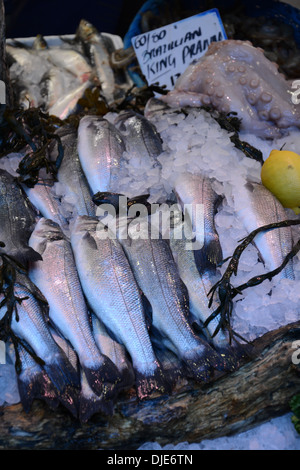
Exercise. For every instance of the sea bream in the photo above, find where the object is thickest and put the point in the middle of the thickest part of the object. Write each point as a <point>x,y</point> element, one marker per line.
<point>157,275</point>
<point>256,207</point>
<point>142,137</point>
<point>56,277</point>
<point>199,200</point>
<point>18,218</point>
<point>113,295</point>
<point>70,175</point>
<point>100,149</point>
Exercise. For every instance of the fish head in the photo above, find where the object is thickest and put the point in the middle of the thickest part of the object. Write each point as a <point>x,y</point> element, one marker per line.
<point>85,30</point>
<point>45,231</point>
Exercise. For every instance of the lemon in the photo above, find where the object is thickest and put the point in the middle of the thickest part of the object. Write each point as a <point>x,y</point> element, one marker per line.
<point>280,174</point>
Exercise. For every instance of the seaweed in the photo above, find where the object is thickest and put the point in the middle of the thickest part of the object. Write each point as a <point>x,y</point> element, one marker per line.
<point>231,123</point>
<point>227,292</point>
<point>12,273</point>
<point>34,130</point>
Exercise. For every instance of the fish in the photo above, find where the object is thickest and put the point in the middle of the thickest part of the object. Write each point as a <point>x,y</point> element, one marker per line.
<point>18,218</point>
<point>43,198</point>
<point>70,173</point>
<point>56,277</point>
<point>114,297</point>
<point>157,275</point>
<point>69,60</point>
<point>115,351</point>
<point>199,286</point>
<point>34,383</point>
<point>199,201</point>
<point>96,50</point>
<point>90,403</point>
<point>142,137</point>
<point>31,326</point>
<point>40,43</point>
<point>67,104</point>
<point>100,149</point>
<point>258,207</point>
<point>54,85</point>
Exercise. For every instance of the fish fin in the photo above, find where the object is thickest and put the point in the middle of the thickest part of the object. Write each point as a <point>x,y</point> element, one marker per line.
<point>39,387</point>
<point>89,406</point>
<point>154,383</point>
<point>69,399</point>
<point>26,255</point>
<point>209,257</point>
<point>104,379</point>
<point>201,363</point>
<point>90,241</point>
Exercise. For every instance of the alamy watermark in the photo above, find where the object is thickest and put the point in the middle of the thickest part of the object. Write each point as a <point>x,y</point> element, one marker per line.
<point>2,93</point>
<point>296,353</point>
<point>2,352</point>
<point>295,94</point>
<point>154,221</point>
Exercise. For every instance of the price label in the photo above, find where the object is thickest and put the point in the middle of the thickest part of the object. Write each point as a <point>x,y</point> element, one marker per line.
<point>164,53</point>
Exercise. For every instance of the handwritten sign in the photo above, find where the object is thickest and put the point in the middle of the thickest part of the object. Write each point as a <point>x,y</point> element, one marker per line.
<point>164,53</point>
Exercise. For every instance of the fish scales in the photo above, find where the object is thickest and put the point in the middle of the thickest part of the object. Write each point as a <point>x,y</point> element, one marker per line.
<point>157,275</point>
<point>70,173</point>
<point>263,208</point>
<point>57,278</point>
<point>105,274</point>
<point>196,193</point>
<point>17,218</point>
<point>33,328</point>
<point>100,149</point>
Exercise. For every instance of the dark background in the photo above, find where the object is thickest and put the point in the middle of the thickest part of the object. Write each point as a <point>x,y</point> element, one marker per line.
<point>26,18</point>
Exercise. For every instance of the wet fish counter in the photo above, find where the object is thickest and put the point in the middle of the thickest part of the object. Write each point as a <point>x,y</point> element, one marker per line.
<point>149,240</point>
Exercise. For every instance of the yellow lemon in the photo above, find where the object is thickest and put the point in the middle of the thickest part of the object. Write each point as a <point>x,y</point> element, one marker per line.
<point>280,174</point>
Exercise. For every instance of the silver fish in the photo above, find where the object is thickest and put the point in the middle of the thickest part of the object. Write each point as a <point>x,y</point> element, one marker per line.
<point>197,197</point>
<point>100,149</point>
<point>34,383</point>
<point>56,277</point>
<point>141,135</point>
<point>96,50</point>
<point>198,286</point>
<point>157,275</point>
<point>69,60</point>
<point>32,327</point>
<point>70,174</point>
<point>114,350</point>
<point>42,197</point>
<point>261,207</point>
<point>54,85</point>
<point>39,43</point>
<point>113,296</point>
<point>67,104</point>
<point>18,218</point>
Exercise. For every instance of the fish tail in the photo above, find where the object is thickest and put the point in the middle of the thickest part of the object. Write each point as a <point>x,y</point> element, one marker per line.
<point>88,406</point>
<point>127,379</point>
<point>69,399</point>
<point>201,364</point>
<point>153,383</point>
<point>37,387</point>
<point>103,379</point>
<point>209,257</point>
<point>62,373</point>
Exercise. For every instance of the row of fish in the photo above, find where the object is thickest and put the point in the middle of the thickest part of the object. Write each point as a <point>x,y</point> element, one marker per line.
<point>55,77</point>
<point>123,311</point>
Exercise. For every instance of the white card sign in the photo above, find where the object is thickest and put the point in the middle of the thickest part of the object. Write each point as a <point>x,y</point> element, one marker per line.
<point>164,53</point>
